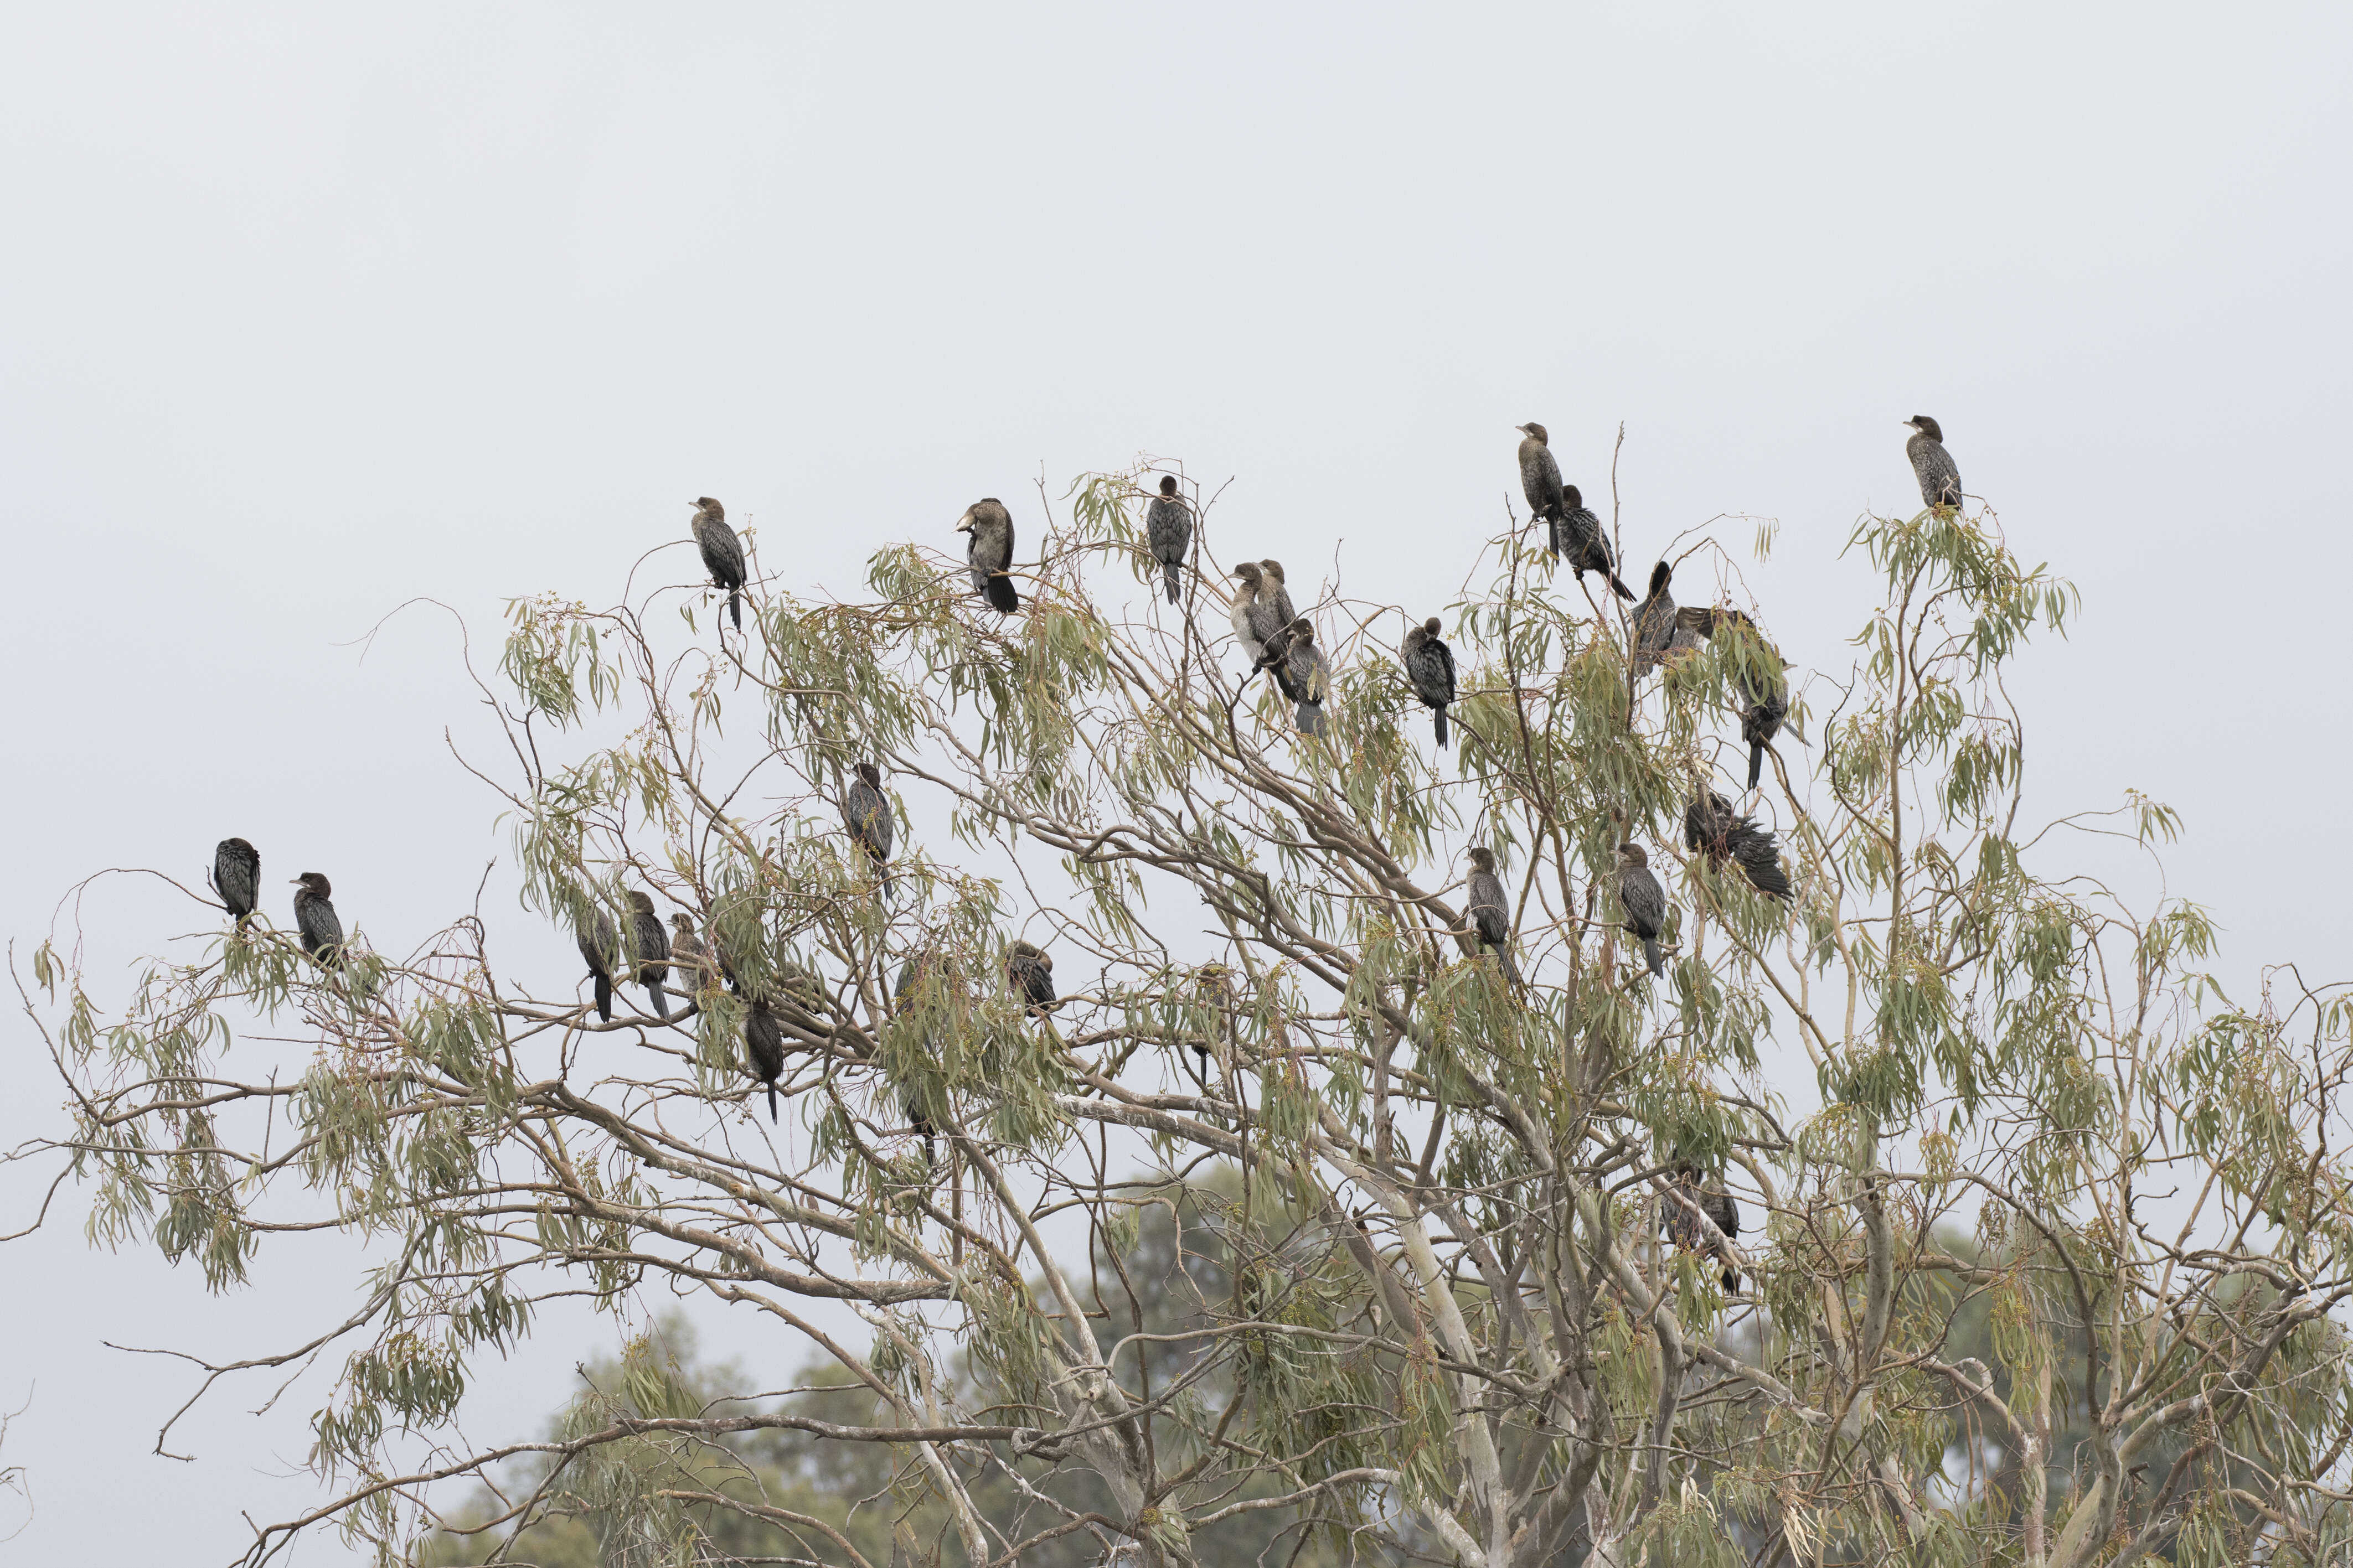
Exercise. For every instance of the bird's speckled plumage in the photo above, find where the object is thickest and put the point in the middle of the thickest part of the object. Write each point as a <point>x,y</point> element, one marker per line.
<point>723,554</point>
<point>690,954</point>
<point>1169,529</point>
<point>237,878</point>
<point>763,1048</point>
<point>1430,666</point>
<point>1030,971</point>
<point>1644,901</point>
<point>315,919</point>
<point>600,949</point>
<point>1578,536</point>
<point>1490,911</point>
<point>990,554</point>
<point>1252,625</point>
<point>1940,475</point>
<point>866,812</point>
<point>1691,1198</point>
<point>1310,676</point>
<point>1540,478</point>
<point>1712,826</point>
<point>650,945</point>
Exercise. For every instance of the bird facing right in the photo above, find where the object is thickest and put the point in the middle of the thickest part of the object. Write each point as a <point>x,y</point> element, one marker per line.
<point>1430,665</point>
<point>237,878</point>
<point>1644,901</point>
<point>1168,528</point>
<point>990,554</point>
<point>1940,475</point>
<point>315,919</point>
<point>723,554</point>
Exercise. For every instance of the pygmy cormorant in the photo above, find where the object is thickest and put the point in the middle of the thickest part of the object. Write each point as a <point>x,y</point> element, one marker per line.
<point>600,946</point>
<point>1644,901</point>
<point>1168,525</point>
<point>723,554</point>
<point>1430,665</point>
<point>1690,1198</point>
<point>764,1044</point>
<point>990,554</point>
<point>315,918</point>
<point>1252,626</point>
<point>1712,826</point>
<point>866,811</point>
<point>1940,475</point>
<point>237,878</point>
<point>1491,914</point>
<point>1309,673</point>
<point>1029,971</point>
<point>1578,535</point>
<point>689,954</point>
<point>1540,478</point>
<point>652,944</point>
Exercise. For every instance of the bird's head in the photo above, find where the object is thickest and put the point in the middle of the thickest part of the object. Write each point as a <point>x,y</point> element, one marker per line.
<point>1661,575</point>
<point>1433,625</point>
<point>1169,484</point>
<point>1302,633</point>
<point>1482,858</point>
<point>1249,574</point>
<point>1534,432</point>
<point>1571,497</point>
<point>314,882</point>
<point>683,922</point>
<point>1632,853</point>
<point>1274,570</point>
<point>642,902</point>
<point>1927,426</point>
<point>710,507</point>
<point>872,774</point>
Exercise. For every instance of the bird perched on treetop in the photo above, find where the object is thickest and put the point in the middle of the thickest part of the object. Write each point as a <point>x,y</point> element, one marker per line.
<point>600,945</point>
<point>866,812</point>
<point>1430,665</point>
<point>1490,915</point>
<point>1577,534</point>
<point>689,954</point>
<point>237,878</point>
<point>652,945</point>
<point>1309,674</point>
<point>315,918</point>
<point>990,554</point>
<point>1540,476</point>
<point>723,554</point>
<point>1644,901</point>
<point>1940,475</point>
<point>1686,1202</point>
<point>1168,526</point>
<point>1029,970</point>
<point>764,1046</point>
<point>1711,826</point>
<point>1252,625</point>
<point>1654,620</point>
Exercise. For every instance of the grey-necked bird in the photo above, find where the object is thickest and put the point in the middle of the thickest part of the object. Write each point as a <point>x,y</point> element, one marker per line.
<point>866,812</point>
<point>689,954</point>
<point>1168,526</point>
<point>1690,1198</point>
<point>764,1046</point>
<point>1309,673</point>
<point>1430,665</point>
<point>990,554</point>
<point>723,554</point>
<point>237,878</point>
<point>1491,914</point>
<point>600,947</point>
<point>314,917</point>
<point>1540,478</point>
<point>1644,901</point>
<point>1577,534</point>
<point>1252,627</point>
<point>1278,597</point>
<point>1029,970</point>
<point>652,945</point>
<point>1940,475</point>
<point>1712,826</point>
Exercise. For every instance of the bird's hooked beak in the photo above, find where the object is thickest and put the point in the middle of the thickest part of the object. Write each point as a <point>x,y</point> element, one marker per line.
<point>1521,428</point>
<point>964,527</point>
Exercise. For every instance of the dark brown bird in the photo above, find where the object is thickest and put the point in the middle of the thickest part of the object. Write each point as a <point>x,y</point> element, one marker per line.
<point>1490,913</point>
<point>866,811</point>
<point>689,954</point>
<point>1644,901</point>
<point>600,945</point>
<point>1310,674</point>
<point>315,918</point>
<point>1764,694</point>
<point>1540,478</point>
<point>237,878</point>
<point>1168,528</point>
<point>1578,536</point>
<point>990,554</point>
<point>764,1046</point>
<point>1712,826</point>
<point>1430,666</point>
<point>722,554</point>
<point>1029,971</point>
<point>1940,475</point>
<point>1278,597</point>
<point>1654,620</point>
<point>1691,1198</point>
<point>652,945</point>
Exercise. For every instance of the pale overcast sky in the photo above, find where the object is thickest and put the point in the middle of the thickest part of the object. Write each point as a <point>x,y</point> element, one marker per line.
<point>305,311</point>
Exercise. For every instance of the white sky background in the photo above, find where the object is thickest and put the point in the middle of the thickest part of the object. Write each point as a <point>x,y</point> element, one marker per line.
<point>301,315</point>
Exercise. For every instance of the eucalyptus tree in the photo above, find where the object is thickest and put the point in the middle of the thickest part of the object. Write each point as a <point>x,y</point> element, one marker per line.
<point>1445,1324</point>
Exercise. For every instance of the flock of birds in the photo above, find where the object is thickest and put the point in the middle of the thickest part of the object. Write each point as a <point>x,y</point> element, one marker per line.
<point>1279,641</point>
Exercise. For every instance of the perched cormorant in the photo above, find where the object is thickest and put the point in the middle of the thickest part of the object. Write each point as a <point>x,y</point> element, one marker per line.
<point>1764,695</point>
<point>1168,525</point>
<point>1712,825</point>
<point>1654,620</point>
<point>1644,901</point>
<point>990,554</point>
<point>652,945</point>
<point>917,1122</point>
<point>866,811</point>
<point>1683,1228</point>
<point>1252,628</point>
<point>1029,970</point>
<point>723,554</point>
<point>763,1045</point>
<point>1540,478</point>
<point>237,878</point>
<point>1277,595</point>
<point>1430,665</point>
<point>1490,913</point>
<point>315,918</point>
<point>689,954</point>
<point>1940,475</point>
<point>1578,535</point>
<point>600,945</point>
<point>1311,675</point>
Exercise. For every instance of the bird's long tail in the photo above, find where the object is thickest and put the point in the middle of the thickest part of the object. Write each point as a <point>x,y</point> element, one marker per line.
<point>1173,569</point>
<point>772,1102</point>
<point>1559,548</point>
<point>657,994</point>
<point>1755,763</point>
<point>1441,726</point>
<point>1311,718</point>
<point>1621,589</point>
<point>1002,595</point>
<point>1651,952</point>
<point>604,997</point>
<point>1511,969</point>
<point>1731,1280</point>
<point>736,608</point>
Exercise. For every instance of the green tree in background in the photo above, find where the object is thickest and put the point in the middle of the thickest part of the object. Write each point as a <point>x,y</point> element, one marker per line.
<point>1298,1232</point>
